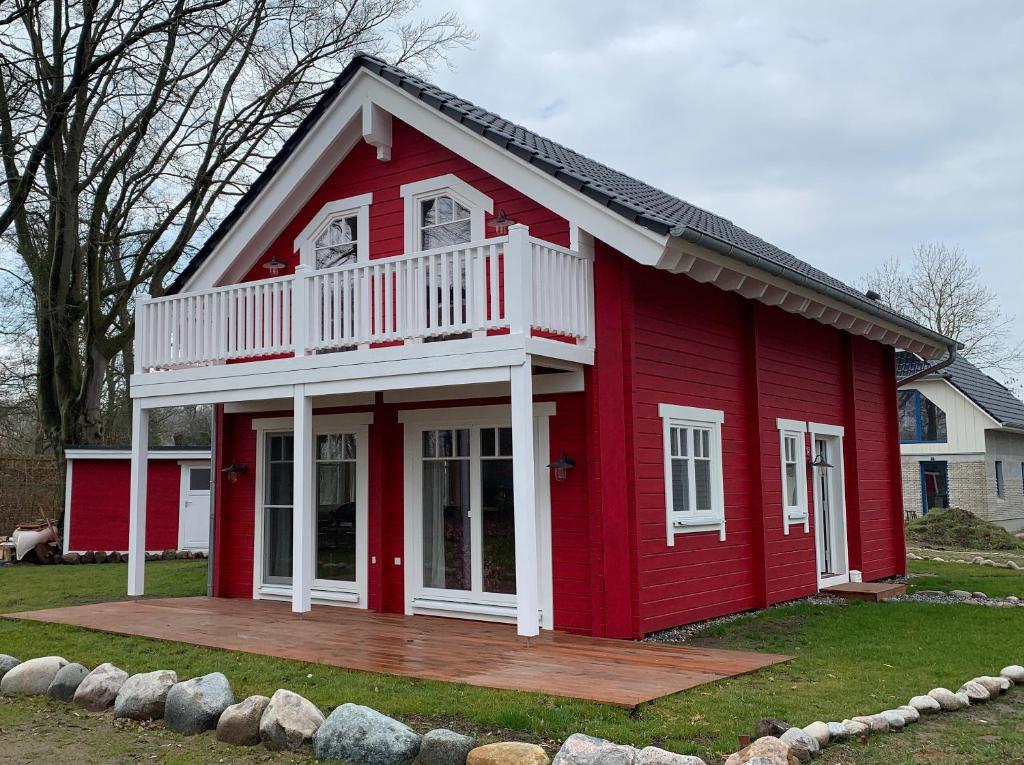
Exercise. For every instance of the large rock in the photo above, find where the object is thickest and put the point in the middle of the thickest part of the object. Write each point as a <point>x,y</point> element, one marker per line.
<point>580,749</point>
<point>507,753</point>
<point>801,744</point>
<point>195,705</point>
<point>771,726</point>
<point>820,732</point>
<point>855,728</point>
<point>445,747</point>
<point>357,735</point>
<point>289,721</point>
<point>875,723</point>
<point>994,685</point>
<point>652,755</point>
<point>144,696</point>
<point>1014,673</point>
<point>910,715</point>
<point>894,718</point>
<point>837,731</point>
<point>960,594</point>
<point>926,705</point>
<point>7,663</point>
<point>239,724</point>
<point>66,682</point>
<point>948,701</point>
<point>765,751</point>
<point>32,677</point>
<point>100,687</point>
<point>975,691</point>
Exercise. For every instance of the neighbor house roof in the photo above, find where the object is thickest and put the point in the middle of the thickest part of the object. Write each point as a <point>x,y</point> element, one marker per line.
<point>632,199</point>
<point>989,394</point>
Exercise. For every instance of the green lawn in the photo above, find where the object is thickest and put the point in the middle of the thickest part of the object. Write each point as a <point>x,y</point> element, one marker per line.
<point>849,659</point>
<point>994,582</point>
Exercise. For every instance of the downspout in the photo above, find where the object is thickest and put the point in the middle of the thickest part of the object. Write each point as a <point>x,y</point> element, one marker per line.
<point>938,366</point>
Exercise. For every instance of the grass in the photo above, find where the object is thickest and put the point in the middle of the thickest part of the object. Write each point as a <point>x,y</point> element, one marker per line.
<point>994,582</point>
<point>956,529</point>
<point>849,659</point>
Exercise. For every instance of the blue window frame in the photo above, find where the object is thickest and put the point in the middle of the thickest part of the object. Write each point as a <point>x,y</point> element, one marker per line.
<point>921,422</point>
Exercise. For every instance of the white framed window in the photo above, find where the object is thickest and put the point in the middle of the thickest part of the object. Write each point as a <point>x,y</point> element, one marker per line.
<point>694,494</point>
<point>337,235</point>
<point>443,211</point>
<point>792,448</point>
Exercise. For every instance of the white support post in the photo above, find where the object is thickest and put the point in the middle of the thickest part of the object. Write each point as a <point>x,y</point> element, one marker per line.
<point>525,495</point>
<point>301,313</point>
<point>142,340</point>
<point>137,501</point>
<point>519,280</point>
<point>302,502</point>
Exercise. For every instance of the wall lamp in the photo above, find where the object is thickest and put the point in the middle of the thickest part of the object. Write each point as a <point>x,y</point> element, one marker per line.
<point>234,470</point>
<point>562,465</point>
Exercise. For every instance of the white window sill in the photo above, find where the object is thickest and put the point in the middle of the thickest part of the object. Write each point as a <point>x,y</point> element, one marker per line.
<point>699,525</point>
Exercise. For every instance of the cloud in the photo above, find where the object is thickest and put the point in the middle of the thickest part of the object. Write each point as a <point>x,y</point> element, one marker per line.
<point>845,137</point>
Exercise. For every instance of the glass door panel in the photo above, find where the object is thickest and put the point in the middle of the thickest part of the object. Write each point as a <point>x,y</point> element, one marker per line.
<point>497,516</point>
<point>336,523</point>
<point>277,508</point>
<point>447,522</point>
<point>825,498</point>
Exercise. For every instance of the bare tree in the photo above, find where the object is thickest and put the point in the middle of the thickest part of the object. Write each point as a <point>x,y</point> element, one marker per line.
<point>125,129</point>
<point>941,289</point>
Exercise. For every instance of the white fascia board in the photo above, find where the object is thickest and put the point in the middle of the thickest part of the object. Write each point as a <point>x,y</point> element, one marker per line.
<point>124,454</point>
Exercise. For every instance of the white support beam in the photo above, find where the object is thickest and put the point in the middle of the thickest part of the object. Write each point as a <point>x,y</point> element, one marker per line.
<point>519,280</point>
<point>377,129</point>
<point>302,502</point>
<point>137,500</point>
<point>525,502</point>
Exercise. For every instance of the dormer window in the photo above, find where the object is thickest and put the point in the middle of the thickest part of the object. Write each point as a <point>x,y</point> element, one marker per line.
<point>443,212</point>
<point>337,235</point>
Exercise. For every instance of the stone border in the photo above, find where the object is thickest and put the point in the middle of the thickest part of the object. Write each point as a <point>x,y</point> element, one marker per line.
<point>359,735</point>
<point>103,556</point>
<point>977,560</point>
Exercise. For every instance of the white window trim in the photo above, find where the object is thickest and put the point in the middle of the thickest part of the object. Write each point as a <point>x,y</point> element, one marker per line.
<point>685,523</point>
<point>351,594</point>
<point>798,514</point>
<point>305,242</point>
<point>477,202</point>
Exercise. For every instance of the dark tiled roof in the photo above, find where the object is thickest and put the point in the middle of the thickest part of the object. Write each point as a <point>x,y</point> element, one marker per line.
<point>634,200</point>
<point>989,394</point>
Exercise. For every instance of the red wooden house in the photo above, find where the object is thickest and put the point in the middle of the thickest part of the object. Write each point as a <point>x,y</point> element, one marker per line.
<point>462,370</point>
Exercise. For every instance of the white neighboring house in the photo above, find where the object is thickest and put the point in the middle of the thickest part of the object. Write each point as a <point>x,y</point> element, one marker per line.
<point>962,443</point>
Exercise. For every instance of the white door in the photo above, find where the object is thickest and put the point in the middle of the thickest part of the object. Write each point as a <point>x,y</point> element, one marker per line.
<point>194,521</point>
<point>829,511</point>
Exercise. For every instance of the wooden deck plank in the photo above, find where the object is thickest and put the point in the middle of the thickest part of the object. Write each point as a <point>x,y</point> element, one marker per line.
<point>872,592</point>
<point>450,650</point>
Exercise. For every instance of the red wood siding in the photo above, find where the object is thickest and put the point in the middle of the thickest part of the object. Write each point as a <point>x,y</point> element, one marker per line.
<point>100,490</point>
<point>414,157</point>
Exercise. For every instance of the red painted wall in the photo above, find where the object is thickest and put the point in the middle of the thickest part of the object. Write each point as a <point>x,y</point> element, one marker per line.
<point>100,492</point>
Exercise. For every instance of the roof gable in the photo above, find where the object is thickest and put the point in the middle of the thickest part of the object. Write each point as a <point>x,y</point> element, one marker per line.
<point>642,207</point>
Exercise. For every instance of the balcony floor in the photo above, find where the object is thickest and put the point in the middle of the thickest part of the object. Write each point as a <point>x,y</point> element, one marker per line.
<point>477,653</point>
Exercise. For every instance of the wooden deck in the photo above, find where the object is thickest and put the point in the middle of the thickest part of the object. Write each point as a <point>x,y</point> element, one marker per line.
<point>478,653</point>
<point>873,592</point>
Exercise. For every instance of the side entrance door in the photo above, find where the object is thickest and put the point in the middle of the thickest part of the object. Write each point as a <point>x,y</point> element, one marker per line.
<point>934,485</point>
<point>830,508</point>
<point>194,519</point>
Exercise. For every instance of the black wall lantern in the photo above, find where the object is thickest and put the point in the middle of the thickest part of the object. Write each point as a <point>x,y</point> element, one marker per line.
<point>819,461</point>
<point>234,470</point>
<point>275,266</point>
<point>563,464</point>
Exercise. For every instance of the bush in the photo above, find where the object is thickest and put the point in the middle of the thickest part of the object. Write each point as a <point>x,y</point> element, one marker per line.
<point>956,529</point>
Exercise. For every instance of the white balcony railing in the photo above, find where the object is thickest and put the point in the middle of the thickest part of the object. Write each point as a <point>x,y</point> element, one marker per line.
<point>515,283</point>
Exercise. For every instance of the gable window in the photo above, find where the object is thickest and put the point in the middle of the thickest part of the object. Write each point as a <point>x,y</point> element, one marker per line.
<point>694,497</point>
<point>338,234</point>
<point>1000,481</point>
<point>443,212</point>
<point>921,421</point>
<point>794,473</point>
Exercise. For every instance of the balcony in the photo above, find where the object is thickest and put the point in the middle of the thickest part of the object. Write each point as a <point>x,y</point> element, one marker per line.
<point>465,294</point>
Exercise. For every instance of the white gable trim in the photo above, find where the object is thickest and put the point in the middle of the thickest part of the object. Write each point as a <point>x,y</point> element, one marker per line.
<point>305,242</point>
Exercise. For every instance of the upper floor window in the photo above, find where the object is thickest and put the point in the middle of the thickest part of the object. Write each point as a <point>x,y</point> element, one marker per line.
<point>1000,480</point>
<point>694,497</point>
<point>921,421</point>
<point>443,212</point>
<point>338,234</point>
<point>794,473</point>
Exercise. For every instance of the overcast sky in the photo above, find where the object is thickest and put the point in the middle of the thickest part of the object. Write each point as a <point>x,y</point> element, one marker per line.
<point>843,132</point>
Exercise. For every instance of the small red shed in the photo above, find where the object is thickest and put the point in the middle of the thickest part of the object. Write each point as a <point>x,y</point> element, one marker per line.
<point>98,486</point>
